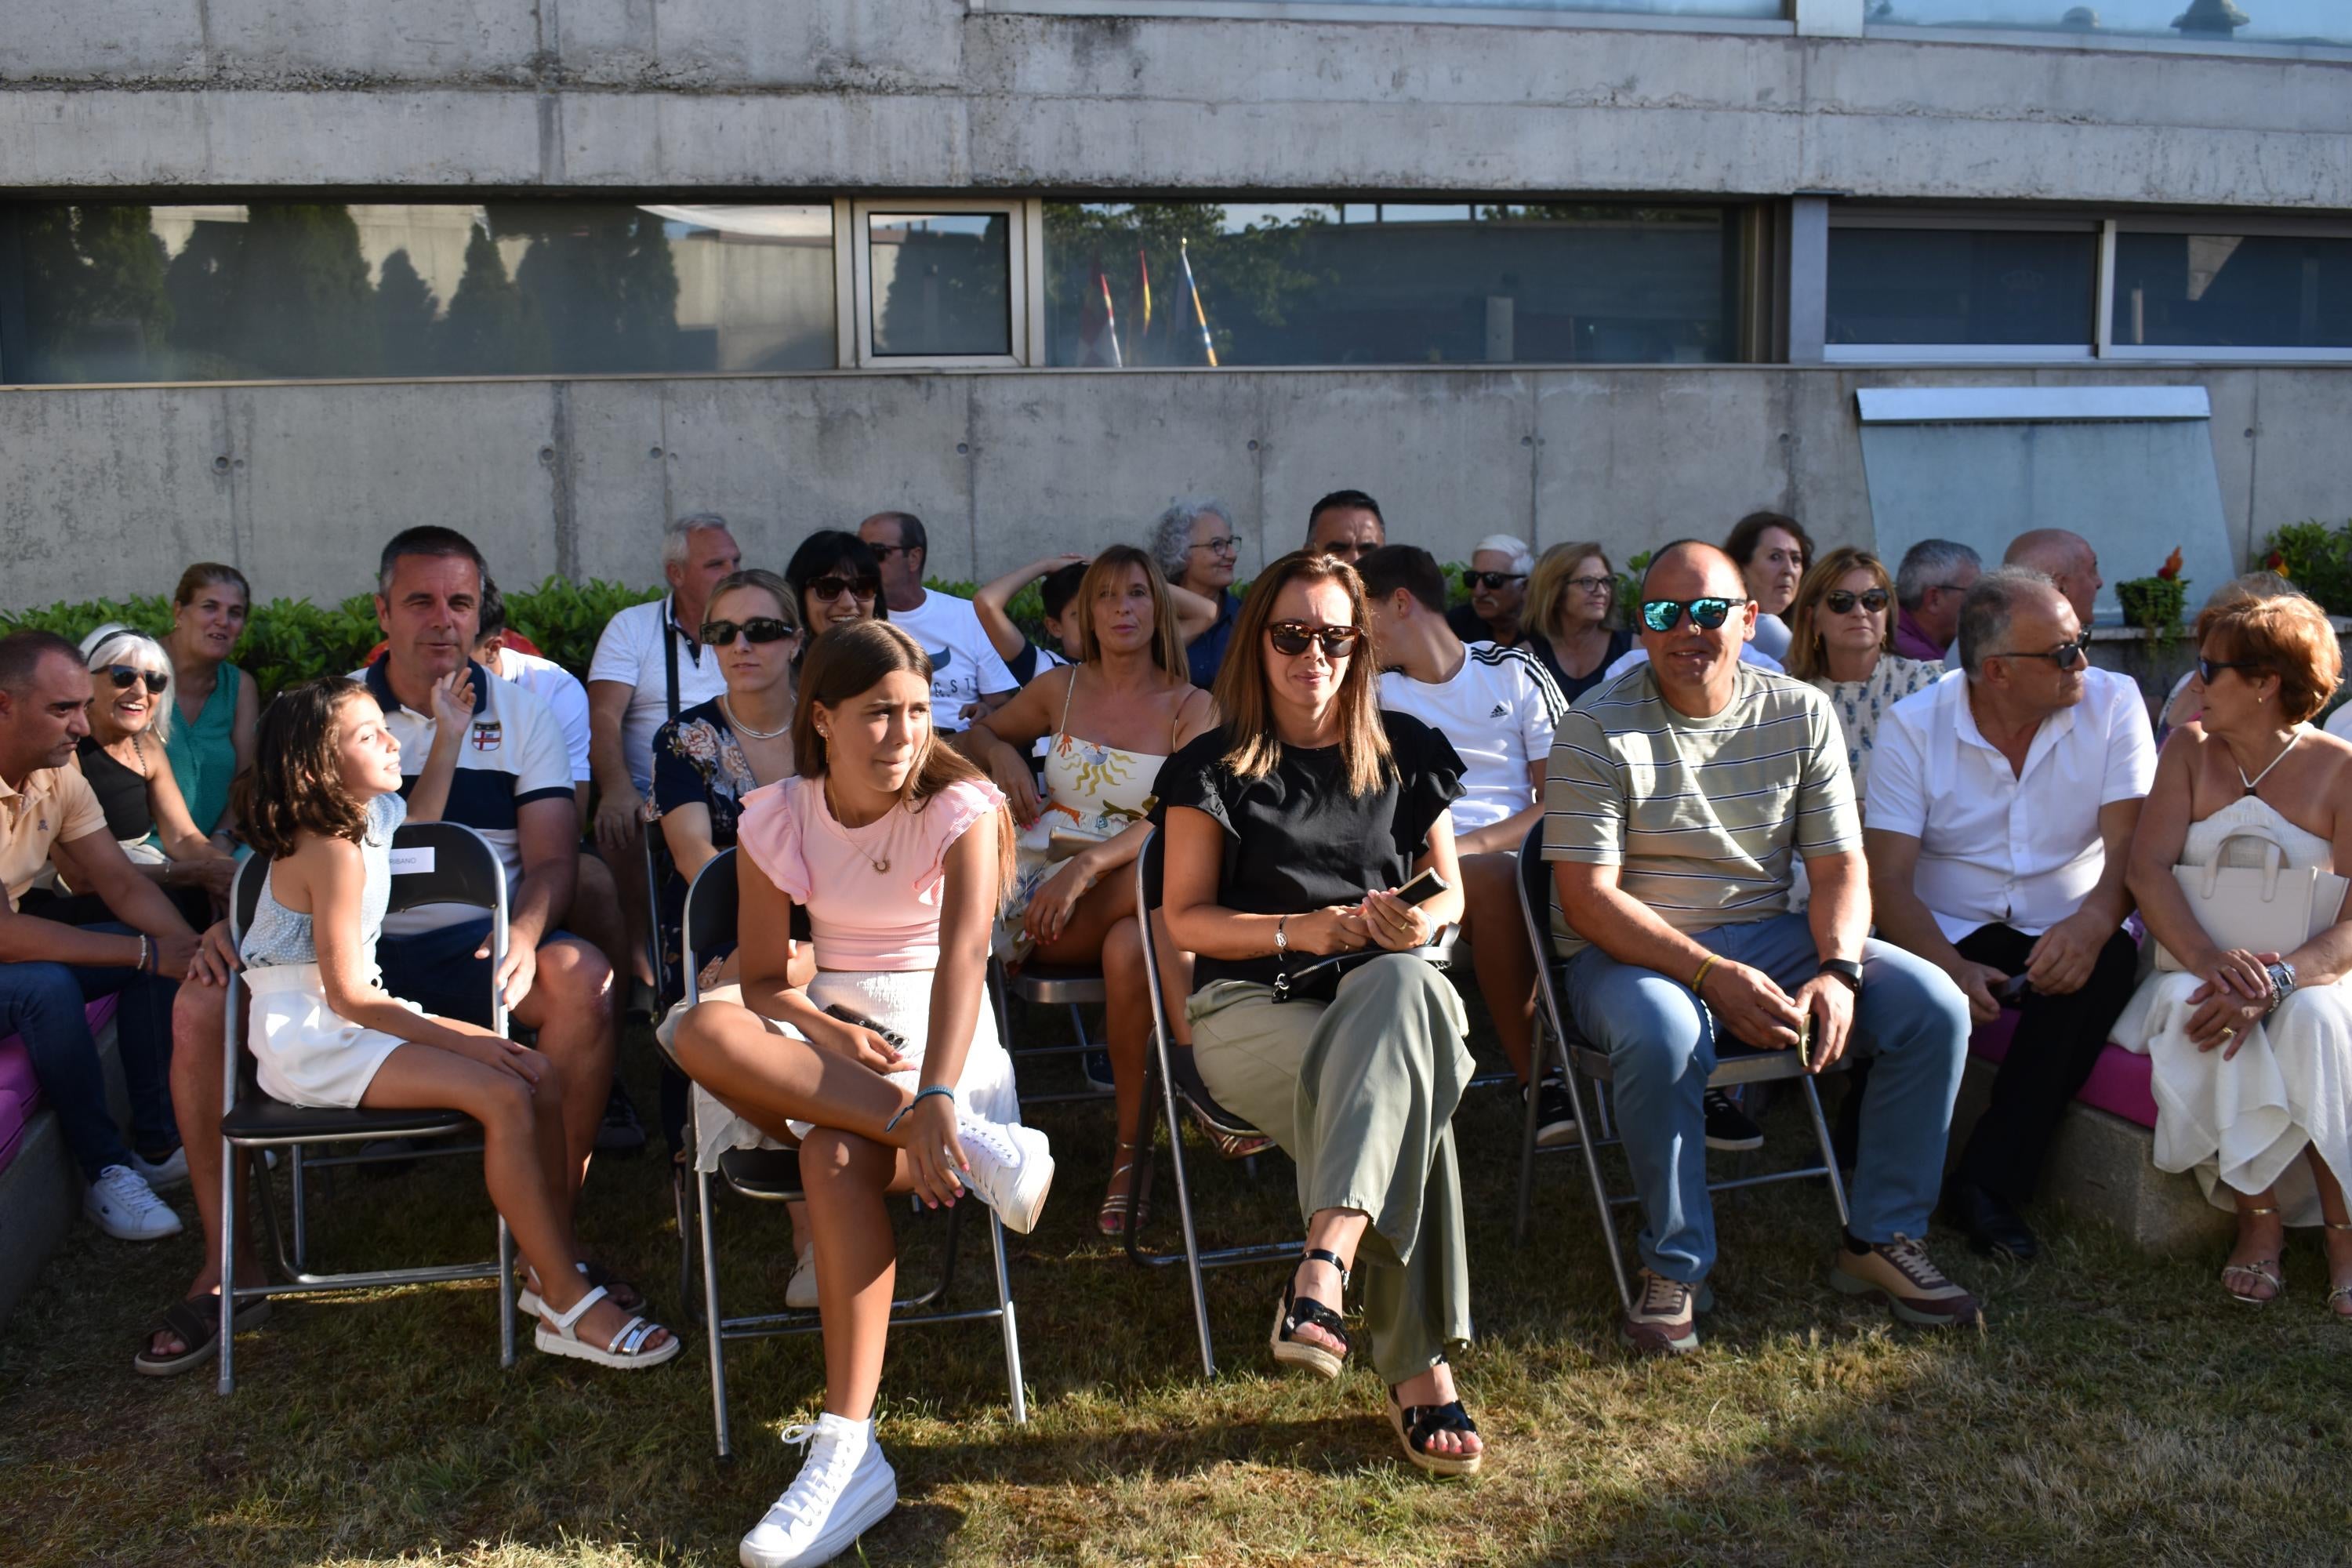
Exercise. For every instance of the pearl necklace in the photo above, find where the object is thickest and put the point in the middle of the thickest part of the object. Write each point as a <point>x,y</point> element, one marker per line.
<point>742,728</point>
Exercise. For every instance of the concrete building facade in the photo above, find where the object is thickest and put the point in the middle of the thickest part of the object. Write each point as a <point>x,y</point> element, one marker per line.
<point>1811,132</point>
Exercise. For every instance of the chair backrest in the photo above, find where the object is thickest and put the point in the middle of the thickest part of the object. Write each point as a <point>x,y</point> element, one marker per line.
<point>710,916</point>
<point>1534,888</point>
<point>659,868</point>
<point>245,894</point>
<point>432,863</point>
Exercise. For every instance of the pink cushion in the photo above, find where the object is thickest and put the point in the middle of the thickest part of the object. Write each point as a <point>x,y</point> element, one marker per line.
<point>20,1092</point>
<point>2119,1080</point>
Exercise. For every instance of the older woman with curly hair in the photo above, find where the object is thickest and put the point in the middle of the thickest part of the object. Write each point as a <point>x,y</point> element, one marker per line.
<point>1198,549</point>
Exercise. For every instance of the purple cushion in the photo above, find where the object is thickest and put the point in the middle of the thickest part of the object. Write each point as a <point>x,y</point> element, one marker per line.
<point>2119,1080</point>
<point>20,1092</point>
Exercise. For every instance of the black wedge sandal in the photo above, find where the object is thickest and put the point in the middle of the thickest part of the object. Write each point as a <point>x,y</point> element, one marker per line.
<point>1296,1311</point>
<point>1416,1424</point>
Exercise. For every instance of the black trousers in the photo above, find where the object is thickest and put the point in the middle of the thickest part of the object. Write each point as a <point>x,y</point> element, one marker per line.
<point>2057,1043</point>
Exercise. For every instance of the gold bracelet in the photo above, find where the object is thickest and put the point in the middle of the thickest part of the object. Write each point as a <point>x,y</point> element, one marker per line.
<point>1700,978</point>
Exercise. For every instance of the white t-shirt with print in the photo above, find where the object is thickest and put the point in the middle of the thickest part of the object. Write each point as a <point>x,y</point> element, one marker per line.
<point>964,663</point>
<point>1499,710</point>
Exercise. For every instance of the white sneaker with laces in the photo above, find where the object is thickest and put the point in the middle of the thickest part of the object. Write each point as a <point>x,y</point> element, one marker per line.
<point>845,1487</point>
<point>800,1290</point>
<point>1011,1169</point>
<point>168,1173</point>
<point>127,1208</point>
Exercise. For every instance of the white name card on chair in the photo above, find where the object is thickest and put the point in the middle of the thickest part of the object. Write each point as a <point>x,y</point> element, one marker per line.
<point>412,862</point>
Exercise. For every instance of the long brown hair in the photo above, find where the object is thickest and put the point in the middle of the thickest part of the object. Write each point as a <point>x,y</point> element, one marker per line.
<point>1167,642</point>
<point>849,659</point>
<point>1806,660</point>
<point>296,783</point>
<point>1253,746</point>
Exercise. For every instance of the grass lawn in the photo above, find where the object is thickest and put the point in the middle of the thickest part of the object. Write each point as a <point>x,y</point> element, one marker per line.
<point>2119,1409</point>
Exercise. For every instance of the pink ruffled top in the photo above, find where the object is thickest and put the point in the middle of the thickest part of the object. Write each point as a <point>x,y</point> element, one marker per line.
<point>864,918</point>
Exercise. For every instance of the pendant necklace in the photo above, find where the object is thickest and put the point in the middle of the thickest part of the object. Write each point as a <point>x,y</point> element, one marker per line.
<point>746,730</point>
<point>881,867</point>
<point>2251,784</point>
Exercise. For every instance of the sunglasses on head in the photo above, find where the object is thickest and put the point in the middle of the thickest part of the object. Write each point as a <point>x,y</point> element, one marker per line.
<point>2065,656</point>
<point>855,588</point>
<point>1841,601</point>
<point>1664,614</point>
<point>758,629</point>
<point>126,676</point>
<point>1490,579</point>
<point>1290,638</point>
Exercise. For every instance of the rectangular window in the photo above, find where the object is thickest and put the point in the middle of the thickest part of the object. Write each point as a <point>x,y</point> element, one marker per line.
<point>943,283</point>
<point>2257,291</point>
<point>2189,21</point>
<point>1763,9</point>
<point>1179,283</point>
<point>1961,292</point>
<point>293,290</point>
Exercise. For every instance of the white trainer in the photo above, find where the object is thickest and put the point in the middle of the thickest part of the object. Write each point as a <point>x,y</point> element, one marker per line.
<point>127,1208</point>
<point>800,1290</point>
<point>1011,1169</point>
<point>162,1174</point>
<point>845,1487</point>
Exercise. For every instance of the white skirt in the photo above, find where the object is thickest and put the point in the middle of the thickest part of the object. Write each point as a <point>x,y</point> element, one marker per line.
<point>900,1000</point>
<point>307,1055</point>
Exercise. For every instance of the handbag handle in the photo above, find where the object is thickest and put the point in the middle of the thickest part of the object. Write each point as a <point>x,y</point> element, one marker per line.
<point>2273,858</point>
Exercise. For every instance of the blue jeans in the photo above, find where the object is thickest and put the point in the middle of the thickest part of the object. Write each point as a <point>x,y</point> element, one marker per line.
<point>1910,1020</point>
<point>44,1001</point>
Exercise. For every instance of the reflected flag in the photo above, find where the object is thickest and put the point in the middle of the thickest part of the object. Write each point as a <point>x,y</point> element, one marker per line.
<point>1099,322</point>
<point>1142,328</point>
<point>1200,317</point>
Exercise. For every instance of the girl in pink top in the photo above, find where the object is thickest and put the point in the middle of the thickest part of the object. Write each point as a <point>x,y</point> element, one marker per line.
<point>886,1065</point>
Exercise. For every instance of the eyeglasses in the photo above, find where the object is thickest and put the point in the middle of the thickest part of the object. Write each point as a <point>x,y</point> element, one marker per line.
<point>757,630</point>
<point>1663,616</point>
<point>126,676</point>
<point>1227,545</point>
<point>883,553</point>
<point>2207,668</point>
<point>1592,585</point>
<point>826,588</point>
<point>2065,656</point>
<point>1290,638</point>
<point>1490,579</point>
<point>1841,602</point>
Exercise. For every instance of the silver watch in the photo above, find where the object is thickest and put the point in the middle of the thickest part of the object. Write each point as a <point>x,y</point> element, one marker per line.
<point>2282,975</point>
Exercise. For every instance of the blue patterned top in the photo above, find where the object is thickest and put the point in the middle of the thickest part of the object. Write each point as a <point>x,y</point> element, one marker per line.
<point>278,935</point>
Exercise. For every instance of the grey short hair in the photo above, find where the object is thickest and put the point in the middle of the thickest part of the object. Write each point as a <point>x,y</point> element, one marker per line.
<point>115,643</point>
<point>1523,560</point>
<point>679,537</point>
<point>1172,532</point>
<point>1985,612</point>
<point>1930,564</point>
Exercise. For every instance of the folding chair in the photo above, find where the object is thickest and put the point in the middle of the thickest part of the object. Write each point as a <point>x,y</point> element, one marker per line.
<point>669,984</point>
<point>433,863</point>
<point>1576,1055</point>
<point>1049,985</point>
<point>772,1176</point>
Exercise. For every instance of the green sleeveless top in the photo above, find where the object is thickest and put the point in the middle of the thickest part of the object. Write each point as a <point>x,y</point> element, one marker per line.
<point>204,753</point>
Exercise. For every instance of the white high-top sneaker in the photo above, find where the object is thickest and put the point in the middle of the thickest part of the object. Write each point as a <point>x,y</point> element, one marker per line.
<point>845,1486</point>
<point>1011,1169</point>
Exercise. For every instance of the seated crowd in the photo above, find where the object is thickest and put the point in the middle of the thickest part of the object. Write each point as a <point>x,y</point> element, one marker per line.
<point>1790,802</point>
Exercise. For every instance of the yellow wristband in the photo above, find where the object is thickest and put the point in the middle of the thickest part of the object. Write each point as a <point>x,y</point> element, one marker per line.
<point>1700,978</point>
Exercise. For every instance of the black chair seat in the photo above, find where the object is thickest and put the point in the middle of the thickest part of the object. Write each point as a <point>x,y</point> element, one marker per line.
<point>258,1118</point>
<point>763,1173</point>
<point>1187,1075</point>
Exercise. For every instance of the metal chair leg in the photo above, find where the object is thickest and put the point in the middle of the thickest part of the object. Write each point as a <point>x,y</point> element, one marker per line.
<point>712,1320</point>
<point>1599,1194</point>
<point>301,1206</point>
<point>1527,1139</point>
<point>1184,1218</point>
<point>506,1294</point>
<point>228,1382</point>
<point>1829,1152</point>
<point>686,1294</point>
<point>1008,1323</point>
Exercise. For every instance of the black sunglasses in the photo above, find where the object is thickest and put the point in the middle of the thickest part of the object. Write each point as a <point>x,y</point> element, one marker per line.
<point>126,676</point>
<point>758,629</point>
<point>2207,668</point>
<point>883,551</point>
<point>1663,616</point>
<point>1290,638</point>
<point>2065,656</point>
<point>1471,579</point>
<point>1841,601</point>
<point>826,588</point>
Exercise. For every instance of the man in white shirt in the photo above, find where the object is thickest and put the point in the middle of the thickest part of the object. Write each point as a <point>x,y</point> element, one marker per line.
<point>1498,707</point>
<point>2001,806</point>
<point>968,675</point>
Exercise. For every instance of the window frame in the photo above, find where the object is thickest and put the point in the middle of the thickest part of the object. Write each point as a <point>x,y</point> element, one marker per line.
<point>2194,354</point>
<point>1024,262</point>
<point>1786,24</point>
<point>2101,275</point>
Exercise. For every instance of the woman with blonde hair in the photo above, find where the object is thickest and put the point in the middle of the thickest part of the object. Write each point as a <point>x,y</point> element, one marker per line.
<point>1291,828</point>
<point>1572,598</point>
<point>1841,639</point>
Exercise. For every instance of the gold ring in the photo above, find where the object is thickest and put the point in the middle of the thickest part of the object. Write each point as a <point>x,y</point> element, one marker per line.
<point>2227,1031</point>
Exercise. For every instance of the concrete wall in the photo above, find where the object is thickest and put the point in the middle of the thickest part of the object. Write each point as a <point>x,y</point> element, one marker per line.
<point>849,94</point>
<point>111,490</point>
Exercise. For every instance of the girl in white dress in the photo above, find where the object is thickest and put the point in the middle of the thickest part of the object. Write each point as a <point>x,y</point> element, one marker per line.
<point>324,801</point>
<point>2253,1051</point>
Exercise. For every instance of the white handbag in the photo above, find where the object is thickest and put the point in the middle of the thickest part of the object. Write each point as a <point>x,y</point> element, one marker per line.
<point>2271,908</point>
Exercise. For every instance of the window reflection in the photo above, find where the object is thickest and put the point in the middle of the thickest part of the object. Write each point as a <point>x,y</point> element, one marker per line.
<point>267,291</point>
<point>1960,286</point>
<point>1384,283</point>
<point>2230,290</point>
<point>1770,9</point>
<point>943,282</point>
<point>2196,21</point>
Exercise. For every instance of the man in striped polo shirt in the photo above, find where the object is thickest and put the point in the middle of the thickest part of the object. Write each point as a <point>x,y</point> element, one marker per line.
<point>1677,797</point>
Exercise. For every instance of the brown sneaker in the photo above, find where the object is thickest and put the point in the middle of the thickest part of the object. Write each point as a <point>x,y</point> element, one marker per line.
<point>1901,1271</point>
<point>1662,1320</point>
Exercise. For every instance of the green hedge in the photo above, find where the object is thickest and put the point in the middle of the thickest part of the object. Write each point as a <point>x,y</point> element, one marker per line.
<point>2316,557</point>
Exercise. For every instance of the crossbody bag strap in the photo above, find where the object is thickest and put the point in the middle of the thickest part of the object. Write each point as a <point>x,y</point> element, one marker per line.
<point>669,652</point>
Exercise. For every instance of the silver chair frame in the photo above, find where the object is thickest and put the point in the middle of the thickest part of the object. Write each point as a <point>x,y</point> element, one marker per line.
<point>441,838</point>
<point>1049,985</point>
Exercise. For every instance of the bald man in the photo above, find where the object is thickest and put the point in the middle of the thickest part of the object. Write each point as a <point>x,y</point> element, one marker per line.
<point>1675,800</point>
<point>2066,559</point>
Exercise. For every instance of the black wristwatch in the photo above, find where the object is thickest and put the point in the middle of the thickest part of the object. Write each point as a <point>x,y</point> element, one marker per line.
<point>1844,969</point>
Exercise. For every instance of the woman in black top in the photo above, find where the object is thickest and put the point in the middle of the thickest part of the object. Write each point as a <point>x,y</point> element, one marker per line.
<point>1289,830</point>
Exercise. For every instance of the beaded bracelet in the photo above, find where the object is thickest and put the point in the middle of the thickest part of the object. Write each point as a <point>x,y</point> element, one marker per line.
<point>921,1095</point>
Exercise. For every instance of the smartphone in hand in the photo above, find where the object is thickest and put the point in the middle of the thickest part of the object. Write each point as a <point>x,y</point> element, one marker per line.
<point>1422,888</point>
<point>851,1016</point>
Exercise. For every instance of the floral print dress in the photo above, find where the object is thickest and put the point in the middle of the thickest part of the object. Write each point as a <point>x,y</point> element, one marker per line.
<point>1859,705</point>
<point>697,762</point>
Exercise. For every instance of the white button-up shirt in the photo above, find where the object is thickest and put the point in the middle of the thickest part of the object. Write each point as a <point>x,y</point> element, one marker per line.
<point>633,652</point>
<point>2021,849</point>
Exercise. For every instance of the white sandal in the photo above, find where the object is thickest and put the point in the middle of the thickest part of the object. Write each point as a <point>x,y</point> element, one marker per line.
<point>557,1335</point>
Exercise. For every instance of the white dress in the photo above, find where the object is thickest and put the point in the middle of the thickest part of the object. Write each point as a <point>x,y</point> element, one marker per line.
<point>2242,1124</point>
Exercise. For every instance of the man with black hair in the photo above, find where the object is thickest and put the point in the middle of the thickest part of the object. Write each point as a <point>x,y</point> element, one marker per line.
<point>1344,524</point>
<point>968,675</point>
<point>1499,706</point>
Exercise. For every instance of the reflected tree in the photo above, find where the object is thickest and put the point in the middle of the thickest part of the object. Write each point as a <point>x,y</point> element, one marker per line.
<point>303,303</point>
<point>405,310</point>
<point>489,329</point>
<point>94,291</point>
<point>601,282</point>
<point>1249,277</point>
